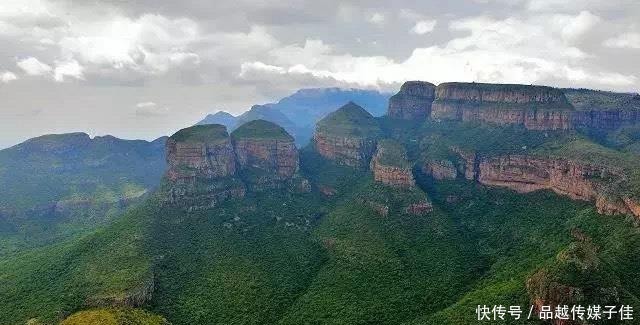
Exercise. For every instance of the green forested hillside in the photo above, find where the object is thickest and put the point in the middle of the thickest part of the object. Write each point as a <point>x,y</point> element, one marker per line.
<point>57,186</point>
<point>330,256</point>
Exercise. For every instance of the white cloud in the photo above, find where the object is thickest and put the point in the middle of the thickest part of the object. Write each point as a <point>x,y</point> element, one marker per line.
<point>67,69</point>
<point>33,66</point>
<point>532,50</point>
<point>150,109</point>
<point>8,76</point>
<point>150,43</point>
<point>626,40</point>
<point>423,27</point>
<point>377,18</point>
<point>577,26</point>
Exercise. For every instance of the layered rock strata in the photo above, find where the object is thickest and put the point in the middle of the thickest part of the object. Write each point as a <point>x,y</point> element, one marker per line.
<point>413,101</point>
<point>577,180</point>
<point>266,153</point>
<point>201,167</point>
<point>207,166</point>
<point>440,169</point>
<point>534,107</point>
<point>390,165</point>
<point>347,136</point>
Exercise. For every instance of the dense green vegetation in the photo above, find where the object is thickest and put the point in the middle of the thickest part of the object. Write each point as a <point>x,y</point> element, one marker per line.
<point>588,99</point>
<point>261,129</point>
<point>58,186</point>
<point>114,316</point>
<point>329,256</point>
<point>202,133</point>
<point>105,266</point>
<point>392,153</point>
<point>350,120</point>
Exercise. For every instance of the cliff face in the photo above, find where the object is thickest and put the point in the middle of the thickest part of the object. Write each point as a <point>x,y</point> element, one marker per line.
<point>213,159</point>
<point>390,165</point>
<point>274,151</point>
<point>413,101</point>
<point>201,167</point>
<point>207,166</point>
<point>440,169</point>
<point>534,107</point>
<point>579,181</point>
<point>347,136</point>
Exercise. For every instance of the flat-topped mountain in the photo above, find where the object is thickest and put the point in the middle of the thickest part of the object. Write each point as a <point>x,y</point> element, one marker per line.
<point>533,107</point>
<point>208,166</point>
<point>347,136</point>
<point>502,93</point>
<point>413,101</point>
<point>266,146</point>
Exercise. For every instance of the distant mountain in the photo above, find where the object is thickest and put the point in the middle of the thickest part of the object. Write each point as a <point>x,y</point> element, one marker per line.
<point>58,184</point>
<point>220,117</point>
<point>299,112</point>
<point>307,106</point>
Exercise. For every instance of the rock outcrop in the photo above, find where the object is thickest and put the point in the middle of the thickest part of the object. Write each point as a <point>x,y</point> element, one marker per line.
<point>390,165</point>
<point>207,166</point>
<point>347,136</point>
<point>603,110</point>
<point>577,180</point>
<point>267,146</point>
<point>202,167</point>
<point>266,155</point>
<point>203,151</point>
<point>440,169</point>
<point>534,107</point>
<point>413,101</point>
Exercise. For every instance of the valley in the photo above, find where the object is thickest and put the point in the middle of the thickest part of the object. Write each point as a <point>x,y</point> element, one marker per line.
<point>464,194</point>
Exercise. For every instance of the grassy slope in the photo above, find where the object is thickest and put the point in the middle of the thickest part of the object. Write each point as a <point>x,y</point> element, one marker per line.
<point>57,280</point>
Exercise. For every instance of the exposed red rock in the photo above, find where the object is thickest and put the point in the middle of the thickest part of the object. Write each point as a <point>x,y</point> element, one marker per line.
<point>534,107</point>
<point>349,151</point>
<point>187,160</point>
<point>390,165</point>
<point>391,175</point>
<point>577,180</point>
<point>440,169</point>
<point>277,156</point>
<point>347,136</point>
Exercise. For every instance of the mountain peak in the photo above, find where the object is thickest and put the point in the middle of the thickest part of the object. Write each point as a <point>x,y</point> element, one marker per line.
<point>261,129</point>
<point>201,133</point>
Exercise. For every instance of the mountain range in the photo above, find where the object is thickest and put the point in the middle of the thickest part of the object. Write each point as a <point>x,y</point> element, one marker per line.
<point>299,112</point>
<point>461,195</point>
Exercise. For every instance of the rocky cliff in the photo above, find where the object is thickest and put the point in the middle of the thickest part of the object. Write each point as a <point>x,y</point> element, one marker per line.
<point>534,107</point>
<point>266,154</point>
<point>203,151</point>
<point>413,101</point>
<point>347,136</point>
<point>578,180</point>
<point>201,167</point>
<point>390,165</point>
<point>208,166</point>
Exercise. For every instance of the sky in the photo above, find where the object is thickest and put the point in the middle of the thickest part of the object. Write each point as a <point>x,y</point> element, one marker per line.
<point>146,68</point>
